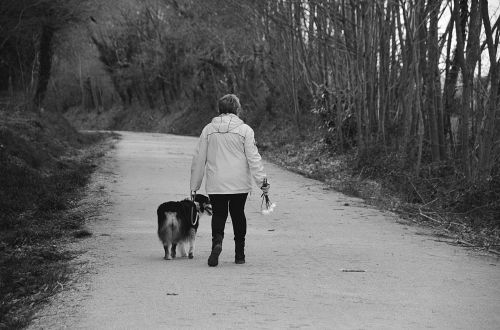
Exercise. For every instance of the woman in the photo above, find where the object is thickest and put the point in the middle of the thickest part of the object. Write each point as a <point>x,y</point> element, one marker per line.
<point>227,152</point>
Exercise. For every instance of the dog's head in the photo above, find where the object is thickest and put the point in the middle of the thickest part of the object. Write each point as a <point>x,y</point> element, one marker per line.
<point>203,204</point>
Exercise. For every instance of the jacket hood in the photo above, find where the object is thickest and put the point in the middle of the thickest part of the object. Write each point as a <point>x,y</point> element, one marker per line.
<point>226,123</point>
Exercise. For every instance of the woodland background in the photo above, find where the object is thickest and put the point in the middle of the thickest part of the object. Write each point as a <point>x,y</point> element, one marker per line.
<point>406,90</point>
<point>394,101</point>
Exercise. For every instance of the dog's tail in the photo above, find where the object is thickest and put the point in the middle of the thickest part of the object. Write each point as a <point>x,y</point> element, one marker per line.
<point>173,226</point>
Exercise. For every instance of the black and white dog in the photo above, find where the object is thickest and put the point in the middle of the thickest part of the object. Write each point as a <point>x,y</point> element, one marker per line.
<point>178,223</point>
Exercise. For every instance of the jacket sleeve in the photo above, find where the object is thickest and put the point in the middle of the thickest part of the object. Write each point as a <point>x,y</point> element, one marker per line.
<point>199,161</point>
<point>253,158</point>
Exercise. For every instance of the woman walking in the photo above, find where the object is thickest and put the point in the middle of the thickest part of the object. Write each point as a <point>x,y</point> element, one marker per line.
<point>227,153</point>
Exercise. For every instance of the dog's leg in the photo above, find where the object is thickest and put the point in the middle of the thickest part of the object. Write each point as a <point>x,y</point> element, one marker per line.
<point>167,247</point>
<point>173,250</point>
<point>169,243</point>
<point>192,236</point>
<point>182,247</point>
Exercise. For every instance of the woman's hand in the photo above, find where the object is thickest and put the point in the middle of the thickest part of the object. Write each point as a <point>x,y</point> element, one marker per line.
<point>265,187</point>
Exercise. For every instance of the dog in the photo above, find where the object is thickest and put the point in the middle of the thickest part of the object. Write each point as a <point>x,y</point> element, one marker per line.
<point>178,223</point>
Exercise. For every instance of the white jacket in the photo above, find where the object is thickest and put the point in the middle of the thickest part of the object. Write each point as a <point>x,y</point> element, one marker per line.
<point>227,152</point>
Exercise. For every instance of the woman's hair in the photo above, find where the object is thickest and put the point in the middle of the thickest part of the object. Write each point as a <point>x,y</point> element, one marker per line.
<point>229,103</point>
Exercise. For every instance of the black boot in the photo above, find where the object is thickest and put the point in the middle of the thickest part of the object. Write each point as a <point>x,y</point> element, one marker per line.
<point>239,255</point>
<point>213,259</point>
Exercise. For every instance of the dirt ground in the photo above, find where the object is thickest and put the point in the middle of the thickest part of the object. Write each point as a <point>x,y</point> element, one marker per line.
<point>294,274</point>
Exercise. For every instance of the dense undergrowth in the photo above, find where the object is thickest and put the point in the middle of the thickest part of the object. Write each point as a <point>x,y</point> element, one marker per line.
<point>438,197</point>
<point>44,164</point>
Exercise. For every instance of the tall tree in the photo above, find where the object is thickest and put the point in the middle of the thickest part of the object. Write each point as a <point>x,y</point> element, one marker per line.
<point>487,131</point>
<point>32,26</point>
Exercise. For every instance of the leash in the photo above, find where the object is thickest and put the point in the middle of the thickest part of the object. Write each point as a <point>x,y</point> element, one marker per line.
<point>194,220</point>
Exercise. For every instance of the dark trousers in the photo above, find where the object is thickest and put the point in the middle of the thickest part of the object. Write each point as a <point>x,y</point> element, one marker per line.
<point>235,203</point>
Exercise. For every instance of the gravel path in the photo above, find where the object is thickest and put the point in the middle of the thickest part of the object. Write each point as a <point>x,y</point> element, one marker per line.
<point>293,277</point>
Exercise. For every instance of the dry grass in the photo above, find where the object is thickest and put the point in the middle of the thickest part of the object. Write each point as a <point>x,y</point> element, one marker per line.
<point>437,198</point>
<point>45,164</point>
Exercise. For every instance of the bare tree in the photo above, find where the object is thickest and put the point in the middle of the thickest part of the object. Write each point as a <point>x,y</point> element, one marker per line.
<point>32,26</point>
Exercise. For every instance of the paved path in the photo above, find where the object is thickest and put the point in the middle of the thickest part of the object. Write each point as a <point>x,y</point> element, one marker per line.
<point>292,278</point>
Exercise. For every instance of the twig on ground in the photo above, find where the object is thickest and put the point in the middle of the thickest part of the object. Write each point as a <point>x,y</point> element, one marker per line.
<point>432,201</point>
<point>361,173</point>
<point>462,242</point>
<point>419,196</point>
<point>428,217</point>
<point>457,224</point>
<point>494,251</point>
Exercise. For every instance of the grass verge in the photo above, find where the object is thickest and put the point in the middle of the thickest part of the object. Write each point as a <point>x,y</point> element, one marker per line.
<point>45,165</point>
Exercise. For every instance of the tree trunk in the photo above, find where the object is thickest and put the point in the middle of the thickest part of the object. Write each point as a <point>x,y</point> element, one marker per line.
<point>486,133</point>
<point>296,110</point>
<point>433,84</point>
<point>453,68</point>
<point>468,65</point>
<point>88,94</point>
<point>44,65</point>
<point>418,48</point>
<point>383,86</point>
